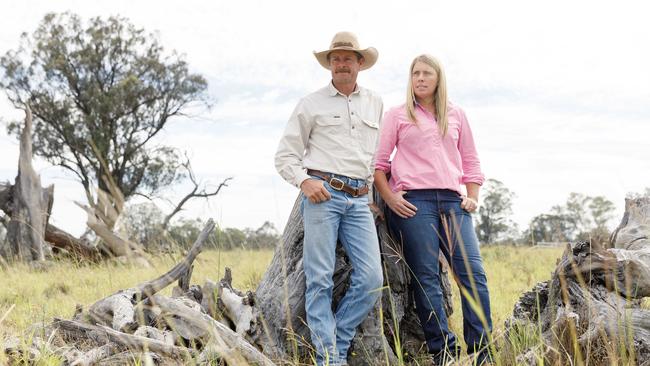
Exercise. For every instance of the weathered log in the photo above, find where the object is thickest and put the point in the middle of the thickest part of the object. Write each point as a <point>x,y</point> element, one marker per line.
<point>143,358</point>
<point>54,236</point>
<point>118,309</point>
<point>281,301</point>
<point>223,340</point>
<point>165,336</point>
<point>95,355</point>
<point>30,205</point>
<point>117,245</point>
<point>589,312</point>
<point>78,248</point>
<point>127,340</point>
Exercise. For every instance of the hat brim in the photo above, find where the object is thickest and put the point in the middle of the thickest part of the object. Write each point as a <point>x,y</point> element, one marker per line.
<point>370,56</point>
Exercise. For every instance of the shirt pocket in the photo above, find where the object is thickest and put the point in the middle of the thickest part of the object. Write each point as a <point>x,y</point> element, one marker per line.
<point>328,121</point>
<point>370,134</point>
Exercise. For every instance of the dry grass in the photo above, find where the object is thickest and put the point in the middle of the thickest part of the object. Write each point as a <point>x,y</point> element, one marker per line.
<point>29,296</point>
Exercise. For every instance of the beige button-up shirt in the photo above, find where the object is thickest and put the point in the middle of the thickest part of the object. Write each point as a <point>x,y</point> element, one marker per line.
<point>333,133</point>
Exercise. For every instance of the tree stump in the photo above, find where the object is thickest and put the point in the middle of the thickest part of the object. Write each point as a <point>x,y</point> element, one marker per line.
<point>590,311</point>
<point>30,206</point>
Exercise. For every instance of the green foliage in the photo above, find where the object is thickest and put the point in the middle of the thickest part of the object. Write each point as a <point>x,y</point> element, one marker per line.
<point>581,218</point>
<point>493,222</point>
<point>105,82</point>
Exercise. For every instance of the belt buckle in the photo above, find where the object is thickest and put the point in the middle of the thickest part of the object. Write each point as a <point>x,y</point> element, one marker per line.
<point>339,182</point>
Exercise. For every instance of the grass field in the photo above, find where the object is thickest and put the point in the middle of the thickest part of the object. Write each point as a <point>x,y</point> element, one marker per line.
<point>28,296</point>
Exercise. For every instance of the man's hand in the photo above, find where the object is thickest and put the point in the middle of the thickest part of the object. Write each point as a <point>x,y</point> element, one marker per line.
<point>314,190</point>
<point>400,206</point>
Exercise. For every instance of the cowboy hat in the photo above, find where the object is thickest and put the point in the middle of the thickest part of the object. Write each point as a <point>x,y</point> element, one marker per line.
<point>347,41</point>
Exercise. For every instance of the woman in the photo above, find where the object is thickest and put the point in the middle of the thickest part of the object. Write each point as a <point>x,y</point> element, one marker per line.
<point>435,156</point>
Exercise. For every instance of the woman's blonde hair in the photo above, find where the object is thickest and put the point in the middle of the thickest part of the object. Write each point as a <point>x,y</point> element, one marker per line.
<point>439,95</point>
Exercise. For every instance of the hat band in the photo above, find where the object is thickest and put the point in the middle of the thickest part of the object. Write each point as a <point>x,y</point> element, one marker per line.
<point>342,44</point>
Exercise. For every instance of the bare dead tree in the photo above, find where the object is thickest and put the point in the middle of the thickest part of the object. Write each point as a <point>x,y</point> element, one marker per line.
<point>29,205</point>
<point>198,191</point>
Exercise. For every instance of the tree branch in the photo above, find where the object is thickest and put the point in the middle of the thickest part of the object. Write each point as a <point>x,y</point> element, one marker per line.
<point>193,194</point>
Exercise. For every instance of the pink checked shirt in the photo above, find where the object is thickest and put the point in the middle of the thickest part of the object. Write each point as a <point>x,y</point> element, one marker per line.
<point>424,159</point>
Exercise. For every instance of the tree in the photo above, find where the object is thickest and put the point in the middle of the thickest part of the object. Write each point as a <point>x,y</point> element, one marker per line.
<point>99,94</point>
<point>549,227</point>
<point>602,211</point>
<point>142,223</point>
<point>493,215</point>
<point>576,210</point>
<point>581,218</point>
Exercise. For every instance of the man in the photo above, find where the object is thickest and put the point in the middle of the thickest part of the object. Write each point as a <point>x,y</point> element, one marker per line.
<point>327,151</point>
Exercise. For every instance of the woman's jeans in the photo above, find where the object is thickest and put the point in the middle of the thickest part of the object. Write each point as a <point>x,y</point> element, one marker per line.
<point>441,225</point>
<point>349,220</point>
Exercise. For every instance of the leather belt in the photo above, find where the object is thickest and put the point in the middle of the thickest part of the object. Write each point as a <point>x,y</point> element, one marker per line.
<point>338,184</point>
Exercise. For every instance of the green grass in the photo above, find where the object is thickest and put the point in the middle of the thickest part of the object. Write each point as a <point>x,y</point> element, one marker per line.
<point>28,296</point>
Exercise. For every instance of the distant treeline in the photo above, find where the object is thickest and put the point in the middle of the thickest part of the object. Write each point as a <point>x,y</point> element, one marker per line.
<point>143,223</point>
<point>580,218</point>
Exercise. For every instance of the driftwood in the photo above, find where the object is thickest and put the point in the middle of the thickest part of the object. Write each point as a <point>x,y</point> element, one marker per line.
<point>590,312</point>
<point>118,309</point>
<point>137,323</point>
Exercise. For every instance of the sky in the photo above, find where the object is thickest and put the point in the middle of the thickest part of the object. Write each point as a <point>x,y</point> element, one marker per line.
<point>557,92</point>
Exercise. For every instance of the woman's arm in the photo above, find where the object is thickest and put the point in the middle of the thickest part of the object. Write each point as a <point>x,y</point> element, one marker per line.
<point>470,202</point>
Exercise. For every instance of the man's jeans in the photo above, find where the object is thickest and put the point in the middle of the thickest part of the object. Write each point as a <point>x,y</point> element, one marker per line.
<point>440,223</point>
<point>349,219</point>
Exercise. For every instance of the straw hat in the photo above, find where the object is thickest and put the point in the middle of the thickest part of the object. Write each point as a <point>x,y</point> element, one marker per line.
<point>347,41</point>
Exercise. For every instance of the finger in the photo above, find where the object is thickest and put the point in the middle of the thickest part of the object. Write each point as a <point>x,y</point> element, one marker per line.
<point>398,212</point>
<point>406,211</point>
<point>321,196</point>
<point>326,193</point>
<point>410,206</point>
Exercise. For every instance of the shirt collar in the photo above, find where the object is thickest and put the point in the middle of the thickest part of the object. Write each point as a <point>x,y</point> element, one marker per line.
<point>333,91</point>
<point>419,107</point>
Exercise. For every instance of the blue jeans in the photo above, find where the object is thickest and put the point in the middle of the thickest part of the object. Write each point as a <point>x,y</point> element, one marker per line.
<point>440,224</point>
<point>349,219</point>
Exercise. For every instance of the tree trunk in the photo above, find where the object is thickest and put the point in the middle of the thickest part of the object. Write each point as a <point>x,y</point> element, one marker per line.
<point>590,311</point>
<point>30,205</point>
<point>281,301</point>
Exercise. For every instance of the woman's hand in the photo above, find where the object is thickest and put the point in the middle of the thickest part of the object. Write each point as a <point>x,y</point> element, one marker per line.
<point>400,206</point>
<point>469,204</point>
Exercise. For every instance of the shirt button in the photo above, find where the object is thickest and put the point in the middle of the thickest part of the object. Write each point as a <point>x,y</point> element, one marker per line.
<point>352,113</point>
<point>353,127</point>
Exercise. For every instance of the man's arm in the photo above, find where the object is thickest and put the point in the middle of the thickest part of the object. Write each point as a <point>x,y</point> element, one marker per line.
<point>291,149</point>
<point>290,153</point>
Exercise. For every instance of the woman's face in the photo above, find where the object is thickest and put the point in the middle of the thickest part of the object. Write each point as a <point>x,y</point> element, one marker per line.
<point>424,79</point>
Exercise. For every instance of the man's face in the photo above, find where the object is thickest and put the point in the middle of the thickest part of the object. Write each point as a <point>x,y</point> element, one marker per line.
<point>345,66</point>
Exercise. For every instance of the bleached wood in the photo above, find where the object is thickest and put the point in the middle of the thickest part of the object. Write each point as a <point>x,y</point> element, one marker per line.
<point>30,205</point>
<point>592,299</point>
<point>222,341</point>
<point>118,308</point>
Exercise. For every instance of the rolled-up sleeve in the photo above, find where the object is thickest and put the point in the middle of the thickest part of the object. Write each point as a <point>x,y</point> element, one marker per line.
<point>291,149</point>
<point>468,154</point>
<point>387,142</point>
